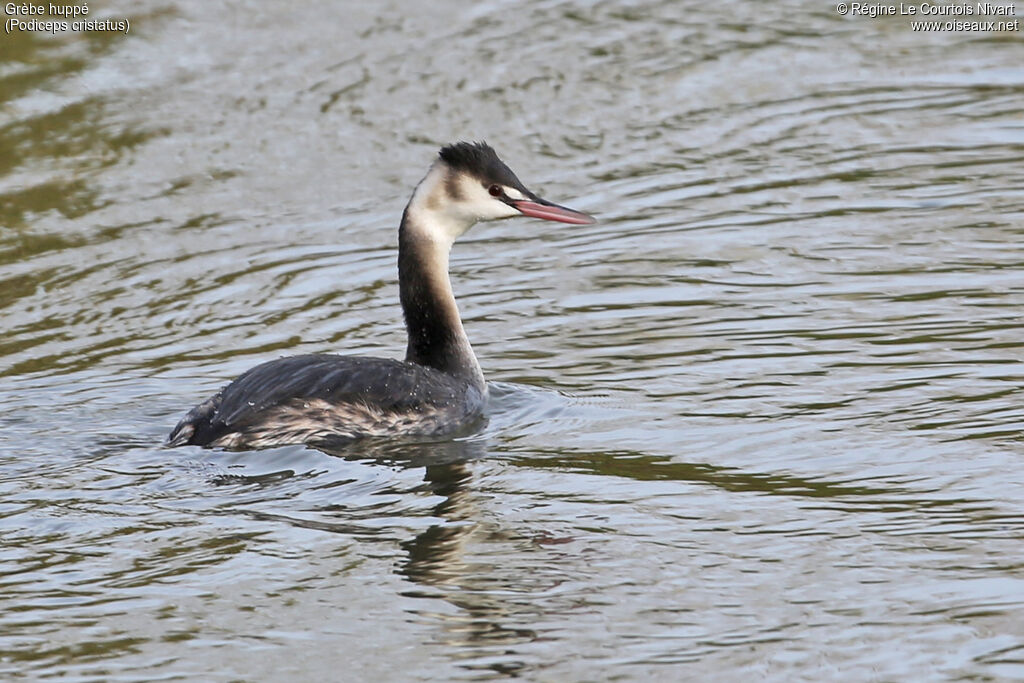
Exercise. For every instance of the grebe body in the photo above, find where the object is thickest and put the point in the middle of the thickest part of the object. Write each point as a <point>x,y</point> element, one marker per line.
<point>327,400</point>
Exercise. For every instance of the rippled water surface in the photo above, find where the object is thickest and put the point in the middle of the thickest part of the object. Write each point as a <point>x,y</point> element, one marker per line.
<point>764,420</point>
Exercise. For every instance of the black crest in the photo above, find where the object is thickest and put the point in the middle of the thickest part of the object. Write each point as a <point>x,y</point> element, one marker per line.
<point>479,159</point>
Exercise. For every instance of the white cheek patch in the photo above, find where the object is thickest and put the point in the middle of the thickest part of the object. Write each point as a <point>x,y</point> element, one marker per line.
<point>475,200</point>
<point>446,204</point>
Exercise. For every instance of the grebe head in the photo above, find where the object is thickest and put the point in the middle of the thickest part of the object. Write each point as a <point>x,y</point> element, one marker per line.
<point>469,183</point>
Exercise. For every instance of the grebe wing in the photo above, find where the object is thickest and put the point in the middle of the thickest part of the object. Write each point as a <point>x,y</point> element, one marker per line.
<point>354,384</point>
<point>386,384</point>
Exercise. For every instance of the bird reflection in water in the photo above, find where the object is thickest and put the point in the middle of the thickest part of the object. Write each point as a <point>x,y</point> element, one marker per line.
<point>436,557</point>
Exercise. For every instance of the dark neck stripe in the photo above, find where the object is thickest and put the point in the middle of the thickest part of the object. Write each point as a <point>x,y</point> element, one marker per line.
<point>436,337</point>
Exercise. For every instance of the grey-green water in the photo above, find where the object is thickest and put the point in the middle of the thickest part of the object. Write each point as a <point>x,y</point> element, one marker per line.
<point>763,421</point>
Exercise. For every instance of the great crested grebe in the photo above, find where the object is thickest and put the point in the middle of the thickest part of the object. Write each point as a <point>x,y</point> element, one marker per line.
<point>327,400</point>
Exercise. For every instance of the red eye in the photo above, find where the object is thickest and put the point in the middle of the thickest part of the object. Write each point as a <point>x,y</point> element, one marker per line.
<point>495,190</point>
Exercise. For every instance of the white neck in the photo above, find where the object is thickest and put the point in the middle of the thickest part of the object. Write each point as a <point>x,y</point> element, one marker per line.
<point>437,338</point>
